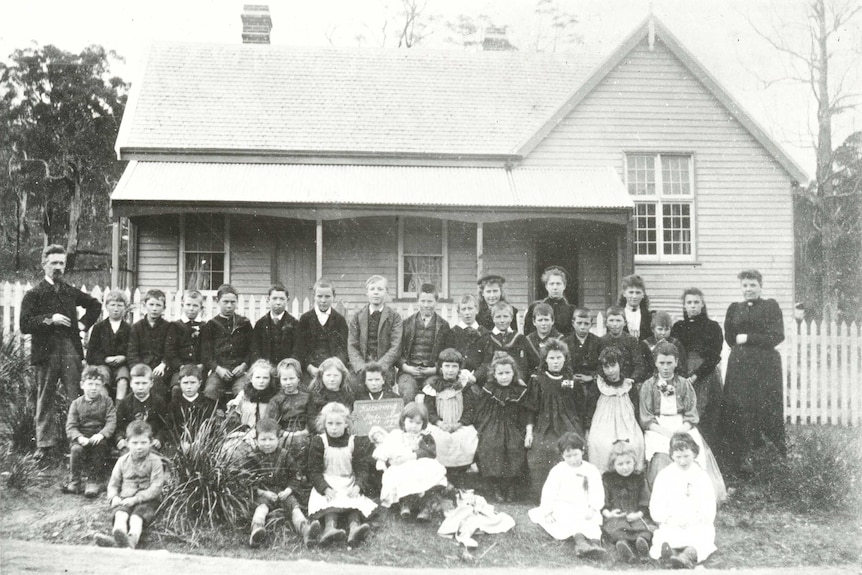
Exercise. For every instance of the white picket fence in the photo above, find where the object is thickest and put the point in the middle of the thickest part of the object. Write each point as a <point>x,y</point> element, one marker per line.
<point>822,363</point>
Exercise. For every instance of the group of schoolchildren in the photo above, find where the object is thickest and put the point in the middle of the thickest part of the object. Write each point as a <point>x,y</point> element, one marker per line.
<point>604,430</point>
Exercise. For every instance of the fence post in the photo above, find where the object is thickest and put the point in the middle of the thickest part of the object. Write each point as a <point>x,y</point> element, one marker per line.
<point>793,374</point>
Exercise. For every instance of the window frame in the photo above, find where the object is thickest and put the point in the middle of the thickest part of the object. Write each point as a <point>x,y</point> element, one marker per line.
<point>659,200</point>
<point>182,252</point>
<point>444,246</point>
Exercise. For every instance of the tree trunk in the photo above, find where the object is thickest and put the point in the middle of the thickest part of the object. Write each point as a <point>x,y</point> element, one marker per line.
<point>76,205</point>
<point>21,196</point>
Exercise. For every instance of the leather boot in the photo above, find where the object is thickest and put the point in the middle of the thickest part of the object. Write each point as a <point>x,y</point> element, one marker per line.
<point>309,531</point>
<point>358,530</point>
<point>258,521</point>
<point>331,533</point>
<point>685,559</point>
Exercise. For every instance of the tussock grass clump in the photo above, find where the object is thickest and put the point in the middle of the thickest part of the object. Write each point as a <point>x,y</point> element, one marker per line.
<point>208,485</point>
<point>20,470</point>
<point>17,396</point>
<point>822,471</point>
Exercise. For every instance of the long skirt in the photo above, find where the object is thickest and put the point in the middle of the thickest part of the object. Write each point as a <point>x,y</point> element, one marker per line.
<point>455,449</point>
<point>411,478</point>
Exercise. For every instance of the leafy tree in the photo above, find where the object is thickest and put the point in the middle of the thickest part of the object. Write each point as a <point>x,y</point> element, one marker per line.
<point>60,114</point>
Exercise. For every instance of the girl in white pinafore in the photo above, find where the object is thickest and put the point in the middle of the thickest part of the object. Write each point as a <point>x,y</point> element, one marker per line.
<point>339,474</point>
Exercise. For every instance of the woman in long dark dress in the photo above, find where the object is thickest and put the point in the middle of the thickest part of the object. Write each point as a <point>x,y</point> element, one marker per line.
<point>702,339</point>
<point>754,386</point>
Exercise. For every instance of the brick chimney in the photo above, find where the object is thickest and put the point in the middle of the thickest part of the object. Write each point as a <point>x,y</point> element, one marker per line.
<point>256,24</point>
<point>496,41</point>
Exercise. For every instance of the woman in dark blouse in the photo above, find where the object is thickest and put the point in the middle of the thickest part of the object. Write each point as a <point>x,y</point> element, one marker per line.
<point>754,386</point>
<point>702,339</point>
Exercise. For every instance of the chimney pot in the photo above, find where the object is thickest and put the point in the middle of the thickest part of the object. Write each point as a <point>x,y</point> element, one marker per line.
<point>256,24</point>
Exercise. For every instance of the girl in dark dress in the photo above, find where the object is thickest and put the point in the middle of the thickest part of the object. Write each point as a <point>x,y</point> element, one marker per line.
<point>556,403</point>
<point>753,389</point>
<point>500,417</point>
<point>703,340</point>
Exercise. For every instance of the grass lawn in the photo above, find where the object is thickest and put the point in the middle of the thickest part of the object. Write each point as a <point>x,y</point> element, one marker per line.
<point>764,523</point>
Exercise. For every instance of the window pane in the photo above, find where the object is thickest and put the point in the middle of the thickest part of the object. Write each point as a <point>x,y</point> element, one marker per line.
<point>676,223</point>
<point>675,175</point>
<point>645,230</point>
<point>204,253</point>
<point>422,269</point>
<point>641,174</point>
<point>423,236</point>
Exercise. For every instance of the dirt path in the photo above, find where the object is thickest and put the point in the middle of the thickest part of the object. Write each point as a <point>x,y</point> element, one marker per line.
<point>42,558</point>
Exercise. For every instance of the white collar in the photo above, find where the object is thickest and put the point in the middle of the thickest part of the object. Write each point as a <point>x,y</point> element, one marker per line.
<point>277,318</point>
<point>49,280</point>
<point>372,308</point>
<point>463,325</point>
<point>191,399</point>
<point>496,331</point>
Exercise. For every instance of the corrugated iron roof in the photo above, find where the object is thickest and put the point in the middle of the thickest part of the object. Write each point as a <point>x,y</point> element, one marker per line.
<point>342,101</point>
<point>308,185</point>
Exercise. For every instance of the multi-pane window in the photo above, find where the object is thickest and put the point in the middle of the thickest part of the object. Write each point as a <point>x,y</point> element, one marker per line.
<point>204,255</point>
<point>422,255</point>
<point>663,190</point>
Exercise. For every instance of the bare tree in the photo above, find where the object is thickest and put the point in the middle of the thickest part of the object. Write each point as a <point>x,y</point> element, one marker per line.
<point>811,49</point>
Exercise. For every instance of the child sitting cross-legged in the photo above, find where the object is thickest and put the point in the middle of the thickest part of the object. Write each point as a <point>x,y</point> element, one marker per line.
<point>572,499</point>
<point>683,505</point>
<point>135,487</point>
<point>412,471</point>
<point>90,424</point>
<point>277,486</point>
<point>338,468</point>
<point>626,510</point>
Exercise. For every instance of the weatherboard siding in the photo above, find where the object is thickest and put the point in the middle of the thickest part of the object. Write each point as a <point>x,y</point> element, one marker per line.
<point>158,250</point>
<point>743,205</point>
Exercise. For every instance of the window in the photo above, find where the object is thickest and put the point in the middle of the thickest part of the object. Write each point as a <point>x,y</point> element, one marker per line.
<point>663,190</point>
<point>422,255</point>
<point>204,241</point>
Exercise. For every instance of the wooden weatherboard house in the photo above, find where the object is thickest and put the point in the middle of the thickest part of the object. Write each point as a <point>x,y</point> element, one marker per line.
<point>254,163</point>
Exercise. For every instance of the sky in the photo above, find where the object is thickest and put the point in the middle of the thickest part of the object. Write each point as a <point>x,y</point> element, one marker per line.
<point>719,33</point>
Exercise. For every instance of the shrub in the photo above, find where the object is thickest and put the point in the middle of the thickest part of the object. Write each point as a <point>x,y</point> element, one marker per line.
<point>20,470</point>
<point>17,396</point>
<point>822,471</point>
<point>208,485</point>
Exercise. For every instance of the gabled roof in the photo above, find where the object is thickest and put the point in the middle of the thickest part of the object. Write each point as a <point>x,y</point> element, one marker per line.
<point>652,28</point>
<point>280,101</point>
<point>349,102</point>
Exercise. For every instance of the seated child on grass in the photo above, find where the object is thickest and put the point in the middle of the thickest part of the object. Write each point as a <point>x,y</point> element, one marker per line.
<point>331,384</point>
<point>135,486</point>
<point>683,505</point>
<point>142,405</point>
<point>278,476</point>
<point>411,468</point>
<point>626,510</point>
<point>572,499</point>
<point>109,343</point>
<point>338,468</point>
<point>450,408</point>
<point>90,423</point>
<point>288,406</point>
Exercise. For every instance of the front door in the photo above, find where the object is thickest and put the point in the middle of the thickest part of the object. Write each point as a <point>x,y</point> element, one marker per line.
<point>558,249</point>
<point>295,259</point>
